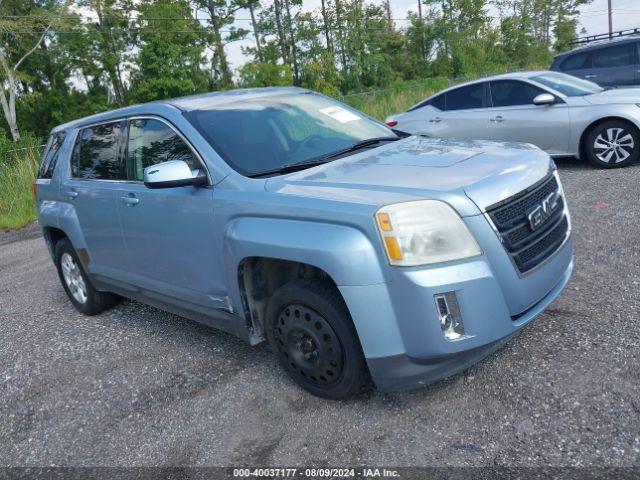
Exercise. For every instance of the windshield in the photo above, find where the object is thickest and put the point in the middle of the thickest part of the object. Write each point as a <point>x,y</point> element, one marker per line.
<point>263,134</point>
<point>568,85</point>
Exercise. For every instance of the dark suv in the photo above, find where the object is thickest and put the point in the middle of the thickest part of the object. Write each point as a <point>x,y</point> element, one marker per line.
<point>610,64</point>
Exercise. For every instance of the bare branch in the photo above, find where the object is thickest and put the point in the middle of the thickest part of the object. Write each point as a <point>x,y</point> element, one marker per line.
<point>46,30</point>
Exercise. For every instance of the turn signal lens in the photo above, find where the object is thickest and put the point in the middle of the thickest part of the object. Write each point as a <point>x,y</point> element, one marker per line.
<point>385,222</point>
<point>393,248</point>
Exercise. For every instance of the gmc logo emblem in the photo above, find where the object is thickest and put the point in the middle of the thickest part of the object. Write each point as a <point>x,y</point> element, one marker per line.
<point>543,211</point>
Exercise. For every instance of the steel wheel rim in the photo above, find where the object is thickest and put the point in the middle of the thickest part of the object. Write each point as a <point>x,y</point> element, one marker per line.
<point>308,345</point>
<point>616,147</point>
<point>73,278</point>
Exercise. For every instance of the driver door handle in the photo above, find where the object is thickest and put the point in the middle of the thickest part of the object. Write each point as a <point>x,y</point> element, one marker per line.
<point>130,201</point>
<point>435,120</point>
<point>498,119</point>
<point>591,75</point>
<point>71,193</point>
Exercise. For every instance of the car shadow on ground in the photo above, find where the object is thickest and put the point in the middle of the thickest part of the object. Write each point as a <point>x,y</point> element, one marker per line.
<point>576,164</point>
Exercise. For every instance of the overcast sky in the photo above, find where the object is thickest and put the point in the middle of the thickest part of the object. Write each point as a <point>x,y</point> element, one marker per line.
<point>626,14</point>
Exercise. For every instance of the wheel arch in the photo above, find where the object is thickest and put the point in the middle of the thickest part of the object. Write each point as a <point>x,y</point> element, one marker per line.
<point>282,249</point>
<point>589,128</point>
<point>260,277</point>
<point>52,235</point>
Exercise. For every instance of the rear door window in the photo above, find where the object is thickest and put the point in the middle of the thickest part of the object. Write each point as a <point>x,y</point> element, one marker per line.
<point>152,141</point>
<point>577,62</point>
<point>96,153</point>
<point>465,98</point>
<point>509,93</point>
<point>50,156</point>
<point>618,56</point>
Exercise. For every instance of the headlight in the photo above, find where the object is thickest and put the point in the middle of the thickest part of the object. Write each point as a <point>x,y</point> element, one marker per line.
<point>424,232</point>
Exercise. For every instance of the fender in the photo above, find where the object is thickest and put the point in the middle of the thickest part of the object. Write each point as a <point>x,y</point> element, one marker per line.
<point>68,222</point>
<point>343,252</point>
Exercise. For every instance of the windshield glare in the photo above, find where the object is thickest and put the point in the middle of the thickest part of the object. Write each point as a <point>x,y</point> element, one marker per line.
<point>567,84</point>
<point>267,133</point>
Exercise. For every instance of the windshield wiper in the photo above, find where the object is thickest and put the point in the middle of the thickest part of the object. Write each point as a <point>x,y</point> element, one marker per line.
<point>293,167</point>
<point>360,145</point>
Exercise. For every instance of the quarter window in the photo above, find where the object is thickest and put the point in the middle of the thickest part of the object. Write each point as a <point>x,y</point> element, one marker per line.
<point>50,156</point>
<point>152,141</point>
<point>438,102</point>
<point>577,62</point>
<point>508,93</point>
<point>464,98</point>
<point>97,152</point>
<point>617,56</point>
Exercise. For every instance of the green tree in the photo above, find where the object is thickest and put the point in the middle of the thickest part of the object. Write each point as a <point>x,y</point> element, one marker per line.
<point>171,53</point>
<point>25,26</point>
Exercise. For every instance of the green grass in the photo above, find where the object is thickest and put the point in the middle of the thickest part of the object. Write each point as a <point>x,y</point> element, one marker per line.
<point>382,103</point>
<point>18,168</point>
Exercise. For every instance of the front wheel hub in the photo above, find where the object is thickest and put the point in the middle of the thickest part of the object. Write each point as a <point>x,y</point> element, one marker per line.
<point>309,345</point>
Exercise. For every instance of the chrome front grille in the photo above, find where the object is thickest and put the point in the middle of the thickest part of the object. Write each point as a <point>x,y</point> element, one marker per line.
<point>526,244</point>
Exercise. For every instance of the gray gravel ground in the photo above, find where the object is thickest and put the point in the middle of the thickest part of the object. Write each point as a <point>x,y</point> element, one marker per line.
<point>137,386</point>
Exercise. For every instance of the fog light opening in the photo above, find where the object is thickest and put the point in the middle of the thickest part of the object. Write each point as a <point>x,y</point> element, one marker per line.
<point>449,314</point>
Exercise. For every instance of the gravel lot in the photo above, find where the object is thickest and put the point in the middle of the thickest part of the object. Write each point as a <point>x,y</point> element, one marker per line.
<point>137,386</point>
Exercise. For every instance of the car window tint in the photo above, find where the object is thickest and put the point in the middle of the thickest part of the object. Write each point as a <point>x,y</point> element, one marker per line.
<point>507,93</point>
<point>467,97</point>
<point>50,156</point>
<point>617,56</point>
<point>97,152</point>
<point>577,61</point>
<point>438,102</point>
<point>152,141</point>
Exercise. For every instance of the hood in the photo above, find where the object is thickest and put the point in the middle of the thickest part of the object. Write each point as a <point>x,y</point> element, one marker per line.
<point>419,167</point>
<point>614,95</point>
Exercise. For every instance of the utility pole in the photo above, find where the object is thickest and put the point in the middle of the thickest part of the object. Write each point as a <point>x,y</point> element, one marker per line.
<point>610,22</point>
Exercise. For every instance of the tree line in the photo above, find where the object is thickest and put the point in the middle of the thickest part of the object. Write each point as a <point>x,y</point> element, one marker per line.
<point>63,59</point>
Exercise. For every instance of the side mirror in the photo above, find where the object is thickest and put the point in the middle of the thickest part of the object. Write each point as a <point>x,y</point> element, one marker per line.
<point>544,99</point>
<point>174,173</point>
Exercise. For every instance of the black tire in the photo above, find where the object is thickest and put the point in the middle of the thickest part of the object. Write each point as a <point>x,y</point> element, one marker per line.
<point>310,331</point>
<point>95,302</point>
<point>610,133</point>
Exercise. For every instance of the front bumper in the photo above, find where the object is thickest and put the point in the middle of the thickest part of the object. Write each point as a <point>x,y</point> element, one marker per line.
<point>398,324</point>
<point>402,372</point>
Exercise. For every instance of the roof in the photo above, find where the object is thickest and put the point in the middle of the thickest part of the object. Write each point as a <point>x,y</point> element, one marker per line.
<point>207,100</point>
<point>188,103</point>
<point>595,45</point>
<point>502,76</point>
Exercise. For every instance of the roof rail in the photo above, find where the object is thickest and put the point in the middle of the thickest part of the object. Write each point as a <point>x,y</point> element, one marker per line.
<point>604,36</point>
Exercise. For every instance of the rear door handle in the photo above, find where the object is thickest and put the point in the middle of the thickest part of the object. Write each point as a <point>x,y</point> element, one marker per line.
<point>497,119</point>
<point>435,120</point>
<point>591,75</point>
<point>130,200</point>
<point>71,193</point>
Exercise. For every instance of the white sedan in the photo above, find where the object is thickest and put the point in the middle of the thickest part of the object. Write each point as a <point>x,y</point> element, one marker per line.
<point>561,114</point>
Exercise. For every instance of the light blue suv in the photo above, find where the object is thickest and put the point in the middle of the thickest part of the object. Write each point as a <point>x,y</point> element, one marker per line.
<point>279,214</point>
